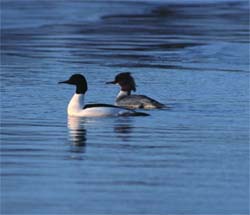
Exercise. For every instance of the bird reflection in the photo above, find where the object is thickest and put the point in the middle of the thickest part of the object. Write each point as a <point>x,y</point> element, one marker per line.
<point>123,128</point>
<point>77,133</point>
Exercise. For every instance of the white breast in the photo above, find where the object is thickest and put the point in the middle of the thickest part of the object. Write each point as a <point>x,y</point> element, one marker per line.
<point>76,104</point>
<point>121,95</point>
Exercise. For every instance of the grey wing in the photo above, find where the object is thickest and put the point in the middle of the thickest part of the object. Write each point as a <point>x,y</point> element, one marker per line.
<point>140,101</point>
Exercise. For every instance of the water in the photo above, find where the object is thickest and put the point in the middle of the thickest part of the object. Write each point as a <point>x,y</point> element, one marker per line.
<point>190,159</point>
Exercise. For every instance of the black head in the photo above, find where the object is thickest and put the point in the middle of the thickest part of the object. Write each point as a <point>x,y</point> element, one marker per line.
<point>78,80</point>
<point>125,80</point>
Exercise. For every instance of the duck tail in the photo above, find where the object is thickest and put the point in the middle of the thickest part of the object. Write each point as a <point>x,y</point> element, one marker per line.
<point>133,113</point>
<point>140,114</point>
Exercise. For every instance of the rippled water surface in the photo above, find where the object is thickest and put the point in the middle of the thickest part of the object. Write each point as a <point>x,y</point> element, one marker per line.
<point>190,159</point>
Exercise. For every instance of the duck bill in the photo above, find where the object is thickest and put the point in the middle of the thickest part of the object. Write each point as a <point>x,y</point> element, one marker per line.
<point>111,82</point>
<point>63,82</point>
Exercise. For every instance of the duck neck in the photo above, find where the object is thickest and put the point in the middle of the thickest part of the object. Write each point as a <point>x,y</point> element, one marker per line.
<point>76,104</point>
<point>122,94</point>
<point>81,88</point>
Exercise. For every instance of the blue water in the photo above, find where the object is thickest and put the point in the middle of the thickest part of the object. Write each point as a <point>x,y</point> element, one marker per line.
<point>190,159</point>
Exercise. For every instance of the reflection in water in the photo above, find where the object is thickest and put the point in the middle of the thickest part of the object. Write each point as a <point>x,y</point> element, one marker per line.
<point>77,133</point>
<point>123,128</point>
<point>197,54</point>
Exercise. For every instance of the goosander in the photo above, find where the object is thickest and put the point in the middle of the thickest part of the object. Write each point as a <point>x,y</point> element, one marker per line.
<point>124,97</point>
<point>76,105</point>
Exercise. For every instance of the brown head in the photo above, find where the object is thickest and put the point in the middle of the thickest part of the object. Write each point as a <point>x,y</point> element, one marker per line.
<point>125,80</point>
